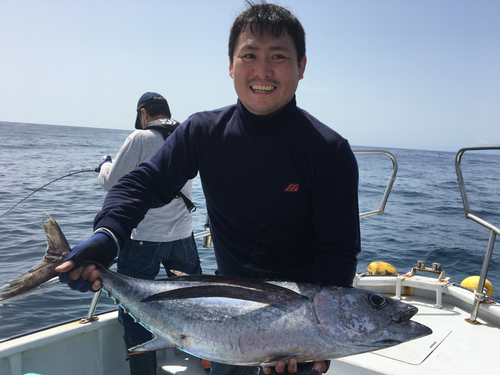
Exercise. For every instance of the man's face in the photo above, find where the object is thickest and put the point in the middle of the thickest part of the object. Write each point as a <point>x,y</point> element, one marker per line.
<point>265,72</point>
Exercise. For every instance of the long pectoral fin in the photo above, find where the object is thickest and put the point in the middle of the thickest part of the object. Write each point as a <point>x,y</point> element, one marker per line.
<point>226,291</point>
<point>256,284</point>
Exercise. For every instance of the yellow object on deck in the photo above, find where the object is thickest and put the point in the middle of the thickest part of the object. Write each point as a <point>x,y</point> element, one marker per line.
<point>381,268</point>
<point>472,282</point>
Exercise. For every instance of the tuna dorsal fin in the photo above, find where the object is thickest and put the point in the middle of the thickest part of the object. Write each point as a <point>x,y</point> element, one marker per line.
<point>226,291</point>
<point>255,284</point>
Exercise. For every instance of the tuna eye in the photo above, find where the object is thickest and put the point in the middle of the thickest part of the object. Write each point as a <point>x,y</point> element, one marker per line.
<point>377,300</point>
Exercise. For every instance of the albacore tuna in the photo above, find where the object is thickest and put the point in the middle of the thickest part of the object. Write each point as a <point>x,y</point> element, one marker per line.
<point>245,321</point>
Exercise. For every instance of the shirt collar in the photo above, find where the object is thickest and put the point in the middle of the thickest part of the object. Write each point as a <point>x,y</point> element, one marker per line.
<point>258,125</point>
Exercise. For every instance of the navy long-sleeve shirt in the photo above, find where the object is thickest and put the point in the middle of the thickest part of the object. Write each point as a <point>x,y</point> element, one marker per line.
<point>281,193</point>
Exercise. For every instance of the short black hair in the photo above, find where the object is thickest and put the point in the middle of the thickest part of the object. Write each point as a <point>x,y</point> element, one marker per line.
<point>263,17</point>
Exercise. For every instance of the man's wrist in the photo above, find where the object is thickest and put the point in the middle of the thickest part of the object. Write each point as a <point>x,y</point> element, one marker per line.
<point>114,236</point>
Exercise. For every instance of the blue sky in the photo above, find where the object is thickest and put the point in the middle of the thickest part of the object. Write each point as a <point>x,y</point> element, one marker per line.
<point>388,73</point>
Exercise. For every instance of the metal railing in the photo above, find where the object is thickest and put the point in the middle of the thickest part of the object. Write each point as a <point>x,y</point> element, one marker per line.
<point>479,294</point>
<point>388,189</point>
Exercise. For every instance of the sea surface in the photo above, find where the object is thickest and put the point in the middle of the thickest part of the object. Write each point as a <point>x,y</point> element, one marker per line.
<point>423,220</point>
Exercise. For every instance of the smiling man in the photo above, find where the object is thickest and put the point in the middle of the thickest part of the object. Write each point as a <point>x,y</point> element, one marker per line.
<point>280,186</point>
<point>266,71</point>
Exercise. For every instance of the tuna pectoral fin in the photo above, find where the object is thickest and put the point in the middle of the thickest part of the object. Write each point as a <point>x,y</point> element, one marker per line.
<point>226,291</point>
<point>155,344</point>
<point>255,284</point>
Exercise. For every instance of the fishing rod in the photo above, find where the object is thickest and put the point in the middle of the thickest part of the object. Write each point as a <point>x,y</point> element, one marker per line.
<point>40,188</point>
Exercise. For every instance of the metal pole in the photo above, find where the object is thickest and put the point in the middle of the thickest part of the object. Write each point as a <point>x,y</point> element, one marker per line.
<point>479,294</point>
<point>93,306</point>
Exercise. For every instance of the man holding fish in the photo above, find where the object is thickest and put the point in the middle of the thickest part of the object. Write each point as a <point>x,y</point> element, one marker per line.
<point>280,186</point>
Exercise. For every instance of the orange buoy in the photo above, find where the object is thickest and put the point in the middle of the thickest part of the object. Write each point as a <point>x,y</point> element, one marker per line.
<point>472,282</point>
<point>380,268</point>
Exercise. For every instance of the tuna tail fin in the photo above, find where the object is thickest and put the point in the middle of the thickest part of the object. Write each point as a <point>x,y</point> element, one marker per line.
<point>57,246</point>
<point>57,250</point>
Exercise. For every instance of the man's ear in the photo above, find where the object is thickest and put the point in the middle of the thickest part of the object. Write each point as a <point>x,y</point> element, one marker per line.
<point>302,67</point>
<point>230,68</point>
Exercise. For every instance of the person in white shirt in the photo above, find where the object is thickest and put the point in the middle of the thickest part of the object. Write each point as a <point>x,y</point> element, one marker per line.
<point>165,235</point>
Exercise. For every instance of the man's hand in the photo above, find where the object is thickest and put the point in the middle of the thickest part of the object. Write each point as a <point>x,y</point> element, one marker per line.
<point>80,278</point>
<point>106,160</point>
<point>101,248</point>
<point>292,368</point>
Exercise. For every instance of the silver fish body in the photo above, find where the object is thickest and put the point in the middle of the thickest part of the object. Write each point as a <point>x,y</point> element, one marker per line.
<point>248,322</point>
<point>320,322</point>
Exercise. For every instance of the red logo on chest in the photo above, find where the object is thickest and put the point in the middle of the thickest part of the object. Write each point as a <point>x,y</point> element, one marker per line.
<point>292,188</point>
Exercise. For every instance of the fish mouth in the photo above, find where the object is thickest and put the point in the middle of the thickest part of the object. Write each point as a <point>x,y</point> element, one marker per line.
<point>414,331</point>
<point>401,329</point>
<point>405,315</point>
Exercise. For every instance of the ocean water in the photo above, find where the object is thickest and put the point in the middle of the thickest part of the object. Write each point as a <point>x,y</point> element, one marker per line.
<point>423,220</point>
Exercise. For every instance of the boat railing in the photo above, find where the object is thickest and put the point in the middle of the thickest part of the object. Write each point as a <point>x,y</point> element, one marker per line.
<point>381,209</point>
<point>479,294</point>
<point>205,234</point>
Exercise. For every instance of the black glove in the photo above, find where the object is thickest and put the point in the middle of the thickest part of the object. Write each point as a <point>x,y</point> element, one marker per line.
<point>106,160</point>
<point>101,248</point>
